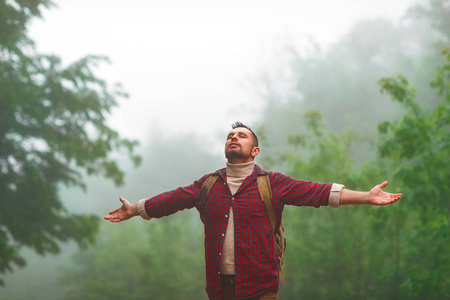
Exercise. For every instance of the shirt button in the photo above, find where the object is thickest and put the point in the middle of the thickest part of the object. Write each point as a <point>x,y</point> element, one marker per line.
<point>220,254</point>
<point>226,216</point>
<point>232,198</point>
<point>223,234</point>
<point>218,272</point>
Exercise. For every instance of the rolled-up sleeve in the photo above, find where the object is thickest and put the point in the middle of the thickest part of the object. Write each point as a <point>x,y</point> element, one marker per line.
<point>335,194</point>
<point>141,209</point>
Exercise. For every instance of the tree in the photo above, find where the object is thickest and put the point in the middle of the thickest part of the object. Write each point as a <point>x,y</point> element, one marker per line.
<point>340,81</point>
<point>395,252</point>
<point>52,128</point>
<point>438,14</point>
<point>418,146</point>
<point>349,248</point>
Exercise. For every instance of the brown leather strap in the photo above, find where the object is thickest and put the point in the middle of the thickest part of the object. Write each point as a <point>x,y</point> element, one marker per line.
<point>228,280</point>
<point>204,192</point>
<point>265,190</point>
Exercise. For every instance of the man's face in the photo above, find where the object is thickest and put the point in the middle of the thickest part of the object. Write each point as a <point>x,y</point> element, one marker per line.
<point>239,146</point>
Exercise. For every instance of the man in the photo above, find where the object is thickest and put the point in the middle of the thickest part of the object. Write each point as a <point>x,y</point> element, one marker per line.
<point>240,256</point>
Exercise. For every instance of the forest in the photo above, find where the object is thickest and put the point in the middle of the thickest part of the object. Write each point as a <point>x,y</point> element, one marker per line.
<point>375,105</point>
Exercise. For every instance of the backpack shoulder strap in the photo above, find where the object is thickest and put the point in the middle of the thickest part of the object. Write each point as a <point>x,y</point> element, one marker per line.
<point>204,192</point>
<point>265,190</point>
<point>280,242</point>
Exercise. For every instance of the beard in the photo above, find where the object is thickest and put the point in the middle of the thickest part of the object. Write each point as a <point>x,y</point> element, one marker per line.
<point>236,154</point>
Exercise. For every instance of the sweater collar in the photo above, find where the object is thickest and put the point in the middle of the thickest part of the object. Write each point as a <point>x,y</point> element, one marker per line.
<point>257,171</point>
<point>240,170</point>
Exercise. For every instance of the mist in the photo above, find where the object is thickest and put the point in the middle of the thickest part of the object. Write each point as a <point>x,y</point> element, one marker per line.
<point>307,78</point>
<point>189,67</point>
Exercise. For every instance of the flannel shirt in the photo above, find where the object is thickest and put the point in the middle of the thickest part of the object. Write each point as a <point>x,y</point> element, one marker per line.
<point>255,256</point>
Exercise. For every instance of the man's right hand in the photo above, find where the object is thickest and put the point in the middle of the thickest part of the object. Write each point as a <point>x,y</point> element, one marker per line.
<point>123,213</point>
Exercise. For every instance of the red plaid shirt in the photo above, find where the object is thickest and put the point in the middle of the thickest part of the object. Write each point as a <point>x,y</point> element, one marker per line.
<point>255,257</point>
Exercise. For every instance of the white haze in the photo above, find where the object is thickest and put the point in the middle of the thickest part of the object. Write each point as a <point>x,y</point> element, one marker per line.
<point>187,64</point>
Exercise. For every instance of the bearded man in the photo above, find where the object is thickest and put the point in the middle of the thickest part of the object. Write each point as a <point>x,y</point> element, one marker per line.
<point>240,256</point>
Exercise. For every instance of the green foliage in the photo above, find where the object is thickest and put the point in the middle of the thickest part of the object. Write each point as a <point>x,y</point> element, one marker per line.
<point>394,252</point>
<point>52,126</point>
<point>419,147</point>
<point>109,269</point>
<point>163,260</point>
<point>340,247</point>
<point>312,149</point>
<point>420,140</point>
<point>14,17</point>
<point>174,268</point>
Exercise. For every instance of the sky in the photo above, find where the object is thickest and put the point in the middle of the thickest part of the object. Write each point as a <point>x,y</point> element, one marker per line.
<point>188,66</point>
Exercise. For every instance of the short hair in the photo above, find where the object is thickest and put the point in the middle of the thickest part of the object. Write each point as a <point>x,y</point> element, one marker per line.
<point>238,124</point>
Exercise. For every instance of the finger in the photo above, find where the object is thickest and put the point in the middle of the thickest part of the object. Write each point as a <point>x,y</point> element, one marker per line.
<point>394,198</point>
<point>397,196</point>
<point>109,218</point>
<point>114,211</point>
<point>114,220</point>
<point>111,215</point>
<point>121,199</point>
<point>383,185</point>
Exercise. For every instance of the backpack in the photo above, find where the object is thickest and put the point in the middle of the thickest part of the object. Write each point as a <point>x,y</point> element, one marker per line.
<point>265,190</point>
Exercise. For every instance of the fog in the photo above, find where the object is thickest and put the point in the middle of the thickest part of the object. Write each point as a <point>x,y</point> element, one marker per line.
<point>193,68</point>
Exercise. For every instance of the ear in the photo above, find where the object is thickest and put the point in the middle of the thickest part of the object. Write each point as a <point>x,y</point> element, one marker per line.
<point>255,151</point>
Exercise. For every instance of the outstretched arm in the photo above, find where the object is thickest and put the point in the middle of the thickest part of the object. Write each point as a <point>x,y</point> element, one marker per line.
<point>375,196</point>
<point>123,213</point>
